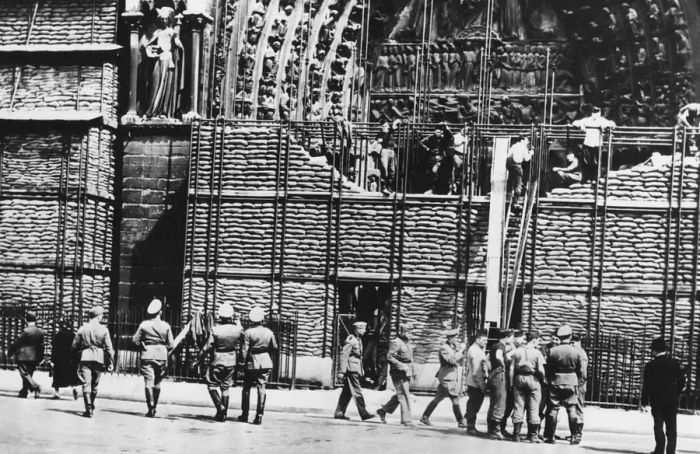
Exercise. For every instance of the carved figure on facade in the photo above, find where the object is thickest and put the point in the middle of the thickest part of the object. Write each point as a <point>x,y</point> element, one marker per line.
<point>163,66</point>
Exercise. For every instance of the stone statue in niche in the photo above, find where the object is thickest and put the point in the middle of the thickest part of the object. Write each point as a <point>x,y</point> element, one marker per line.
<point>163,60</point>
<point>469,59</point>
<point>455,65</point>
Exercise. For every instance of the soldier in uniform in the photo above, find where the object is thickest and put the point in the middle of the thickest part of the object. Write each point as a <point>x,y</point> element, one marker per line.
<point>224,340</point>
<point>564,371</point>
<point>352,370</point>
<point>497,384</point>
<point>28,351</point>
<point>526,373</point>
<point>545,349</point>
<point>400,358</point>
<point>518,341</point>
<point>155,338</point>
<point>582,381</point>
<point>448,378</point>
<point>94,345</point>
<point>258,342</point>
<point>477,374</point>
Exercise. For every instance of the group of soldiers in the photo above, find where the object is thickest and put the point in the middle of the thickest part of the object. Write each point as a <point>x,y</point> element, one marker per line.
<point>228,345</point>
<point>523,377</point>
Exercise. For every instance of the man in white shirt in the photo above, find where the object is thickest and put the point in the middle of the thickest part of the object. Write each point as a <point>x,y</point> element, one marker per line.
<point>518,153</point>
<point>477,372</point>
<point>593,126</point>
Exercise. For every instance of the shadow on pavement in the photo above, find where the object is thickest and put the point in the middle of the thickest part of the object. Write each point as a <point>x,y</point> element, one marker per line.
<point>139,413</point>
<point>68,412</point>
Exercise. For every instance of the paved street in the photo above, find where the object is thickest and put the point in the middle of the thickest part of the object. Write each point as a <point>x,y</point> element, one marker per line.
<point>46,426</point>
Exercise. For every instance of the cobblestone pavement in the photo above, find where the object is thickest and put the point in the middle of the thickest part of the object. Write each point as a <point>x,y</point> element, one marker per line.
<point>49,426</point>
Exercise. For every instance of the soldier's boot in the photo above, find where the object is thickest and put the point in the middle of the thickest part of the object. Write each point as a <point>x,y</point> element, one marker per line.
<point>216,398</point>
<point>261,409</point>
<point>425,419</point>
<point>458,416</point>
<point>517,427</point>
<point>149,402</point>
<point>93,395</point>
<point>88,405</point>
<point>156,395</point>
<point>533,433</point>
<point>550,428</point>
<point>245,405</point>
<point>224,407</point>
<point>576,433</point>
<point>494,430</point>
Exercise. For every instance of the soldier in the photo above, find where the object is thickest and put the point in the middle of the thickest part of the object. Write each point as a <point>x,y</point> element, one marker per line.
<point>258,342</point>
<point>28,351</point>
<point>400,358</point>
<point>477,373</point>
<point>582,385</point>
<point>564,370</point>
<point>448,377</point>
<point>224,340</point>
<point>93,343</point>
<point>497,384</point>
<point>518,341</point>
<point>664,381</point>
<point>155,338</point>
<point>352,370</point>
<point>545,349</point>
<point>526,373</point>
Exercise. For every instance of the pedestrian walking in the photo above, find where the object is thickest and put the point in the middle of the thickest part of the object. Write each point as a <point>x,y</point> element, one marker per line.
<point>526,373</point>
<point>155,338</point>
<point>258,343</point>
<point>664,381</point>
<point>565,369</point>
<point>582,381</point>
<point>352,370</point>
<point>28,351</point>
<point>94,346</point>
<point>449,385</point>
<point>400,359</point>
<point>224,345</point>
<point>477,375</point>
<point>518,341</point>
<point>497,383</point>
<point>64,361</point>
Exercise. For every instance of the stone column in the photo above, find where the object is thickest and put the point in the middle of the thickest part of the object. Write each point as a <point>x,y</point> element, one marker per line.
<point>195,21</point>
<point>133,20</point>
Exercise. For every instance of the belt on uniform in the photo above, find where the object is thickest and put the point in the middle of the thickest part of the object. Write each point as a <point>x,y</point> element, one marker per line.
<point>257,351</point>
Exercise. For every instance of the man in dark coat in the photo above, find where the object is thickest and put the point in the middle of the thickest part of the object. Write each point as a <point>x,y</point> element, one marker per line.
<point>64,360</point>
<point>664,380</point>
<point>28,351</point>
<point>352,370</point>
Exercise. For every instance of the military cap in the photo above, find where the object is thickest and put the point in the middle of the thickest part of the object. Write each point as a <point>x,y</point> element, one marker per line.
<point>96,311</point>
<point>532,335</point>
<point>225,311</point>
<point>359,325</point>
<point>155,306</point>
<point>658,344</point>
<point>256,314</point>
<point>452,332</point>
<point>564,331</point>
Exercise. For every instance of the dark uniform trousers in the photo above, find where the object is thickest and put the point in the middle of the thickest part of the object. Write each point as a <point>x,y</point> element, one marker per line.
<point>352,389</point>
<point>476,398</point>
<point>566,396</point>
<point>499,395</point>
<point>664,415</point>
<point>26,371</point>
<point>90,373</point>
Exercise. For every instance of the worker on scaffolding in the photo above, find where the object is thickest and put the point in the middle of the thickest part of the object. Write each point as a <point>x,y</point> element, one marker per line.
<point>387,157</point>
<point>519,153</point>
<point>566,176</point>
<point>439,149</point>
<point>593,126</point>
<point>689,117</point>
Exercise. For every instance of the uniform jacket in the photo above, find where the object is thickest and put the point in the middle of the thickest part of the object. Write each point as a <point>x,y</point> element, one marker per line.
<point>527,360</point>
<point>225,341</point>
<point>664,380</point>
<point>565,365</point>
<point>29,346</point>
<point>351,356</point>
<point>93,343</point>
<point>400,357</point>
<point>258,342</point>
<point>156,338</point>
<point>448,374</point>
